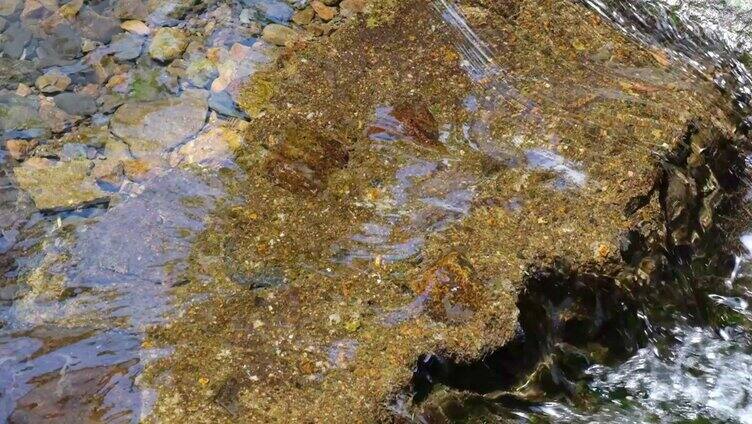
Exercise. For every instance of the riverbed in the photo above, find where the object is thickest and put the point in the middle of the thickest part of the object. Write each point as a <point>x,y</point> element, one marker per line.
<point>124,125</point>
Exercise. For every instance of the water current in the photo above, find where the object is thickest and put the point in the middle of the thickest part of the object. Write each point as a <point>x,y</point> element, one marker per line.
<point>690,371</point>
<point>111,255</point>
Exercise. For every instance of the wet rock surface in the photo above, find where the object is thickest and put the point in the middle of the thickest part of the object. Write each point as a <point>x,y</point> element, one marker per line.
<point>150,127</point>
<point>60,186</point>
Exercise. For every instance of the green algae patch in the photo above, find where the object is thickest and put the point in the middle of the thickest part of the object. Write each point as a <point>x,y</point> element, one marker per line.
<point>257,94</point>
<point>395,204</point>
<point>62,186</point>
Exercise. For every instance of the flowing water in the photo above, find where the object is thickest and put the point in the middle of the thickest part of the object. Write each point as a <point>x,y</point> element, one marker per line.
<point>690,370</point>
<point>110,260</point>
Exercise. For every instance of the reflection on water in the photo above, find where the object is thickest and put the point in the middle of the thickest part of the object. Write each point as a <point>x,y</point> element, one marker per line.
<point>72,375</point>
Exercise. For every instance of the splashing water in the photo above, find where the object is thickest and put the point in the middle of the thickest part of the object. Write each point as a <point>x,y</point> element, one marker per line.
<point>696,374</point>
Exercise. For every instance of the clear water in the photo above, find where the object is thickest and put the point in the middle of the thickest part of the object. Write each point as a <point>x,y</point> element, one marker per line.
<point>71,342</point>
<point>694,374</point>
<point>705,375</point>
<point>78,358</point>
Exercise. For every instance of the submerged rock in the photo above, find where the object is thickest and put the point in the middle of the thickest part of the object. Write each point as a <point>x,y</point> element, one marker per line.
<point>211,148</point>
<point>19,149</point>
<point>126,46</point>
<point>326,13</point>
<point>14,71</point>
<point>168,44</point>
<point>223,104</point>
<point>8,7</point>
<point>52,82</point>
<point>76,104</point>
<point>279,35</point>
<point>96,27</point>
<point>302,158</point>
<point>130,9</point>
<point>20,118</point>
<point>418,122</point>
<point>260,279</point>
<point>15,39</point>
<point>271,10</point>
<point>153,127</point>
<point>350,8</point>
<point>369,228</point>
<point>60,186</point>
<point>136,27</point>
<point>452,292</point>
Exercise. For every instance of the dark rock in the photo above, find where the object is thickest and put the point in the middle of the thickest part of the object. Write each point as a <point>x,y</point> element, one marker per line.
<point>223,104</point>
<point>17,36</point>
<point>95,26</point>
<point>61,47</point>
<point>76,104</point>
<point>680,203</point>
<point>14,71</point>
<point>131,9</point>
<point>126,46</point>
<point>21,118</point>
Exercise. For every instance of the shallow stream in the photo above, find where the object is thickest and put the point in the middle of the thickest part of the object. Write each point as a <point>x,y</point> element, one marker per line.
<point>89,265</point>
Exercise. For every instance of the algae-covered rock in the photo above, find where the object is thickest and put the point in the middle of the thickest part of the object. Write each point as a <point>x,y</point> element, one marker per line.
<point>418,122</point>
<point>303,158</point>
<point>19,117</point>
<point>212,148</point>
<point>19,149</point>
<point>152,127</point>
<point>326,13</point>
<point>450,287</point>
<point>168,44</point>
<point>14,71</point>
<point>256,96</point>
<point>279,35</point>
<point>60,186</point>
<point>52,82</point>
